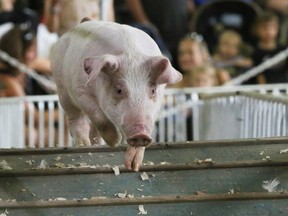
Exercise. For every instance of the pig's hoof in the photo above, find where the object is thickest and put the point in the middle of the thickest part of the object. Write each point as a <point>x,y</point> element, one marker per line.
<point>134,157</point>
<point>97,141</point>
<point>82,142</point>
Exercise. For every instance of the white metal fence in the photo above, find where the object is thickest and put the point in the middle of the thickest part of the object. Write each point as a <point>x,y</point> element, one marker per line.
<point>240,115</point>
<point>39,121</point>
<point>187,116</point>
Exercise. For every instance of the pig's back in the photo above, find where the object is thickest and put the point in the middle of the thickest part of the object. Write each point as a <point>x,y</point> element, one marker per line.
<point>111,38</point>
<point>95,38</point>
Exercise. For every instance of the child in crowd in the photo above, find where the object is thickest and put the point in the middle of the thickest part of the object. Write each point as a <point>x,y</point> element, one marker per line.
<point>201,76</point>
<point>266,31</point>
<point>193,52</point>
<point>228,55</point>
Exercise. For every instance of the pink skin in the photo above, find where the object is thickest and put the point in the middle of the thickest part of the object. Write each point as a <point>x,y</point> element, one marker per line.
<point>110,81</point>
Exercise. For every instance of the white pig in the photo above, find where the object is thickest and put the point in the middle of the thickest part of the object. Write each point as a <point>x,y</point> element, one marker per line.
<point>110,81</point>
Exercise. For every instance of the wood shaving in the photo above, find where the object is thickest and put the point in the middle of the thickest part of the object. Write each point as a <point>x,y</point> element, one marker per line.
<point>268,158</point>
<point>271,185</point>
<point>101,197</point>
<point>164,163</point>
<point>111,155</point>
<point>121,195</point>
<point>57,158</point>
<point>144,176</point>
<point>5,166</point>
<point>283,151</point>
<point>60,199</point>
<point>60,165</point>
<point>139,189</point>
<point>199,193</point>
<point>207,161</point>
<point>231,191</point>
<point>150,163</point>
<point>30,162</point>
<point>94,166</point>
<point>5,213</point>
<point>107,166</point>
<point>142,211</point>
<point>261,153</point>
<point>83,164</point>
<point>90,154</point>
<point>43,164</point>
<point>130,196</point>
<point>116,170</point>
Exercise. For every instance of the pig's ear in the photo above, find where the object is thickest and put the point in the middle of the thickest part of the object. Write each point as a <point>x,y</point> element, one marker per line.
<point>85,19</point>
<point>94,65</point>
<point>163,72</point>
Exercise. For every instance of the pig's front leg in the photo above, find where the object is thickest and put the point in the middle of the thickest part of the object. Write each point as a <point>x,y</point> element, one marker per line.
<point>101,126</point>
<point>95,136</point>
<point>134,157</point>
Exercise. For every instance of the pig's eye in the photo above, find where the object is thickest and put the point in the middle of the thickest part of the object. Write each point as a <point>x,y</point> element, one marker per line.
<point>119,91</point>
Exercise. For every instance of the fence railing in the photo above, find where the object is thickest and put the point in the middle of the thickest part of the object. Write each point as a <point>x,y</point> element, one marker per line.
<point>180,119</point>
<point>240,115</point>
<point>39,121</point>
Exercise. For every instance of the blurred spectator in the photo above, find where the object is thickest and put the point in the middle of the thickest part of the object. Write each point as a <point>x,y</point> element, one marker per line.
<point>281,8</point>
<point>61,15</point>
<point>20,43</point>
<point>266,30</point>
<point>200,76</point>
<point>169,18</point>
<point>10,85</point>
<point>215,16</point>
<point>193,52</point>
<point>228,54</point>
<point>16,12</point>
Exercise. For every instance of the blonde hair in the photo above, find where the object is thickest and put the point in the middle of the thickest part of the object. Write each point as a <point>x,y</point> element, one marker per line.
<point>204,69</point>
<point>198,39</point>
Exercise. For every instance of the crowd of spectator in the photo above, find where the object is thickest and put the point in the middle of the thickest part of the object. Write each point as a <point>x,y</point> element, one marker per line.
<point>28,29</point>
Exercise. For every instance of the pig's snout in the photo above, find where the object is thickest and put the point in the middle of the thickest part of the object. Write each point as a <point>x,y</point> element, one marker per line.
<point>139,135</point>
<point>139,140</point>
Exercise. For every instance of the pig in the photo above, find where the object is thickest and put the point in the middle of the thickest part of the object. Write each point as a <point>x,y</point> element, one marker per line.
<point>110,81</point>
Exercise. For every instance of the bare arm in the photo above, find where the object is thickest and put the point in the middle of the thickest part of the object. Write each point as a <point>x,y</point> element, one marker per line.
<point>111,13</point>
<point>41,65</point>
<point>136,9</point>
<point>52,9</point>
<point>261,79</point>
